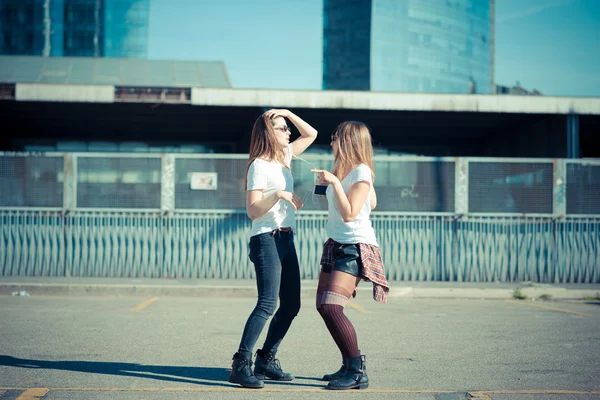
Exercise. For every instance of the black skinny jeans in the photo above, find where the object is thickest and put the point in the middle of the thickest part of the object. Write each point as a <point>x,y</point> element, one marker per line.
<point>277,275</point>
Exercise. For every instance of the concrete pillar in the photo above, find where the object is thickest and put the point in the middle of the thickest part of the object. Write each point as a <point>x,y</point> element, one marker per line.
<point>167,183</point>
<point>559,189</point>
<point>70,182</point>
<point>461,186</point>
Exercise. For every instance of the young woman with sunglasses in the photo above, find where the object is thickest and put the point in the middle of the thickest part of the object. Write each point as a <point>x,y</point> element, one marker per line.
<point>271,205</point>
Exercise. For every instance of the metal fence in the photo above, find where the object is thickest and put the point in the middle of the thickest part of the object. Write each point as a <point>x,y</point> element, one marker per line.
<point>181,216</point>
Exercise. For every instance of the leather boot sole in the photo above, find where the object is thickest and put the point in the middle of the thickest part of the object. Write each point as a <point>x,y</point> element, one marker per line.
<point>259,385</point>
<point>266,378</point>
<point>356,386</point>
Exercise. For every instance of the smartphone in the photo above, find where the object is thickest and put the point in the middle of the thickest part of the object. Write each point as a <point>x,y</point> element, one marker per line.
<point>320,190</point>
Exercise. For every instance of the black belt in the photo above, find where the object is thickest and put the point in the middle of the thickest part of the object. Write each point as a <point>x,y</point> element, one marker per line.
<point>285,229</point>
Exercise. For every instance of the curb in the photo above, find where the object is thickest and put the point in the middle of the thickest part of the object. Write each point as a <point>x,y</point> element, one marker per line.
<point>126,290</point>
<point>224,291</point>
<point>475,293</point>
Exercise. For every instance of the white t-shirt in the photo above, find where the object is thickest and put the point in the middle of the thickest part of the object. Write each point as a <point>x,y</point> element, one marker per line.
<point>360,229</point>
<point>271,177</point>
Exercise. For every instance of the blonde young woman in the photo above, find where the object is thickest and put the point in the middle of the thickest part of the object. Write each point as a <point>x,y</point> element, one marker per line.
<point>351,253</point>
<point>271,205</point>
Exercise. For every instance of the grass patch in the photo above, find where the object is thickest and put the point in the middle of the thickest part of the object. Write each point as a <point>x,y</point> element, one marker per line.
<point>593,298</point>
<point>518,295</point>
<point>545,297</point>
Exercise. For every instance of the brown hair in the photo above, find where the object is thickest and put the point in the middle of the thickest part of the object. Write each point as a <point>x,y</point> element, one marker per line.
<point>354,148</point>
<point>263,144</point>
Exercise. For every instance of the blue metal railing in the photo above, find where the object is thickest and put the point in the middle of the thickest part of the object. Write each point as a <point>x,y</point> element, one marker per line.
<point>207,245</point>
<point>438,219</point>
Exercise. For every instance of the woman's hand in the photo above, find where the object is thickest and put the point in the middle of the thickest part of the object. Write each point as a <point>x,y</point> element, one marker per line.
<point>325,177</point>
<point>290,198</point>
<point>308,134</point>
<point>274,113</point>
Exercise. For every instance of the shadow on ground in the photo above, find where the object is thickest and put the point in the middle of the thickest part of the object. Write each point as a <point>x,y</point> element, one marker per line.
<point>209,376</point>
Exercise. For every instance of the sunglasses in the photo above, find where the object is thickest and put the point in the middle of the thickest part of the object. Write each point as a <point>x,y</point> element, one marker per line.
<point>284,128</point>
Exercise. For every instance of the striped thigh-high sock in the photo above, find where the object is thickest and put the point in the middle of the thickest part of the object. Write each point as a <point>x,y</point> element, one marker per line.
<point>339,326</point>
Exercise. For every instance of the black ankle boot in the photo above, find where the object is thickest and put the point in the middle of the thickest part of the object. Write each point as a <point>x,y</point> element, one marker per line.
<point>339,373</point>
<point>268,367</point>
<point>241,373</point>
<point>356,376</point>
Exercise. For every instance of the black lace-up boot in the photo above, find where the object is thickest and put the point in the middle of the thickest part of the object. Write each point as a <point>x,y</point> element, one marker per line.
<point>268,367</point>
<point>241,373</point>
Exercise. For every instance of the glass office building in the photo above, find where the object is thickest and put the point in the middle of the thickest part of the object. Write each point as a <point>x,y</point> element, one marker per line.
<point>22,27</point>
<point>430,46</point>
<point>126,28</point>
<point>87,28</point>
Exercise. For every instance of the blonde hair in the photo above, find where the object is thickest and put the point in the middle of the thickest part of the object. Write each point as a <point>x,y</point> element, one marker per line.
<point>263,144</point>
<point>354,148</point>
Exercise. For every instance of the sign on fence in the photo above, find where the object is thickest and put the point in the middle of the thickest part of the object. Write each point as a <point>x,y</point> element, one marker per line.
<point>203,181</point>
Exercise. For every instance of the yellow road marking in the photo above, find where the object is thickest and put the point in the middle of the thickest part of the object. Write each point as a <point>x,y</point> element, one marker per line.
<point>144,304</point>
<point>231,388</point>
<point>548,308</point>
<point>33,393</point>
<point>36,393</point>
<point>357,307</point>
<point>578,392</point>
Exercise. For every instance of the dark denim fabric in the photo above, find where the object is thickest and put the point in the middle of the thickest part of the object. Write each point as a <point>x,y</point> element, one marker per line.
<point>277,275</point>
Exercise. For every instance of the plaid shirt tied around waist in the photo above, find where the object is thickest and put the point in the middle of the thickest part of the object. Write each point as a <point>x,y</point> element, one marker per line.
<point>371,271</point>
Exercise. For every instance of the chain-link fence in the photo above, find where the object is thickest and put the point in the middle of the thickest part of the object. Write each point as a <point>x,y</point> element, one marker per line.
<point>167,215</point>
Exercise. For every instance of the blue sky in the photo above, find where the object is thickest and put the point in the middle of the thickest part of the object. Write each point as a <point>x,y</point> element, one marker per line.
<point>549,45</point>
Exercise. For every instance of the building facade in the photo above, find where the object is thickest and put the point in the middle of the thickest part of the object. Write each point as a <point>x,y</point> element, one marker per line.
<point>429,46</point>
<point>87,28</point>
